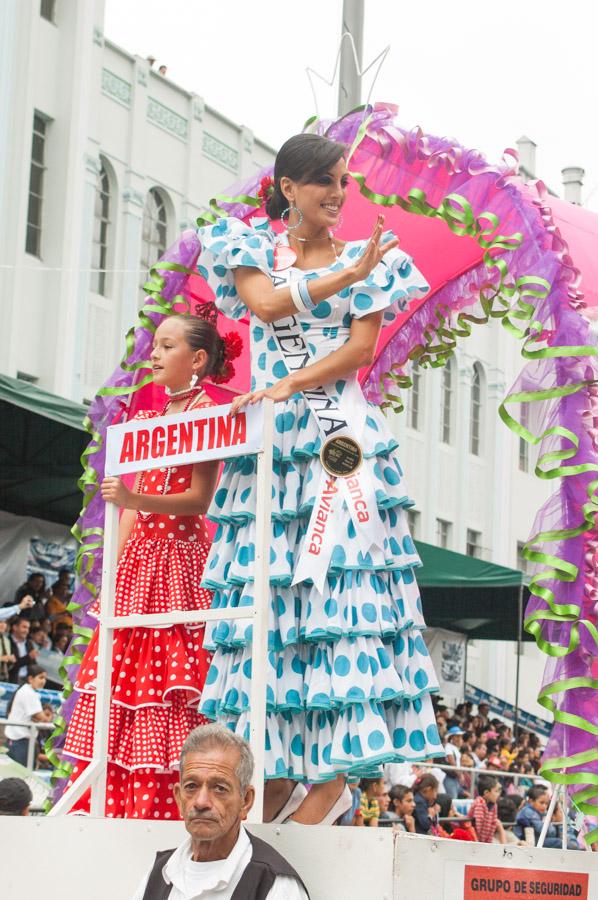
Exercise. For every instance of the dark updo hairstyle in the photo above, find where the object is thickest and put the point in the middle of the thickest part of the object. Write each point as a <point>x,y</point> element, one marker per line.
<point>303,158</point>
<point>201,334</point>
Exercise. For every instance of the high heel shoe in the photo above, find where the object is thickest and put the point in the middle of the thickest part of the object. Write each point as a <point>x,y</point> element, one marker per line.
<point>342,805</point>
<point>296,798</point>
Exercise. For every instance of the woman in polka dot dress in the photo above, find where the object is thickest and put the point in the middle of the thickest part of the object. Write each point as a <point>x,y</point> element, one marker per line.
<point>349,675</point>
<point>158,673</point>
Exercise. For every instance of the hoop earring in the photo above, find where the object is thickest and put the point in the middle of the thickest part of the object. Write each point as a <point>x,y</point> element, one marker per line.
<point>289,210</point>
<point>338,225</point>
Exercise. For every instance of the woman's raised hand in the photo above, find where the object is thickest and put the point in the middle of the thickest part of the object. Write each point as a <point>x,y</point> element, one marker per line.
<point>373,252</point>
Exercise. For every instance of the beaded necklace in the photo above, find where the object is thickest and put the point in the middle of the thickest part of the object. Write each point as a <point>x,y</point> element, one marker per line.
<point>193,394</point>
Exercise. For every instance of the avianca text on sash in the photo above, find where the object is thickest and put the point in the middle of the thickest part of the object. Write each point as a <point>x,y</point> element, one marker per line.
<point>194,436</point>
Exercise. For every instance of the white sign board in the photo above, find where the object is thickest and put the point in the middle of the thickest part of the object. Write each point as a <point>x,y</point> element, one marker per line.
<point>195,436</point>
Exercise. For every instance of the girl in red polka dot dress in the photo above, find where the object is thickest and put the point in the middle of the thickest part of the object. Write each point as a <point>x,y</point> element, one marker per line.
<point>157,673</point>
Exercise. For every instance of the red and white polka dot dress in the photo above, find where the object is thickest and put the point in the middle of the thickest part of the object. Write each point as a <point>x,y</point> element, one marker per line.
<point>157,673</point>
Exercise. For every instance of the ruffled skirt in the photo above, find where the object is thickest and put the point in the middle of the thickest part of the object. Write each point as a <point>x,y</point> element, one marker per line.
<point>349,677</point>
<point>157,679</point>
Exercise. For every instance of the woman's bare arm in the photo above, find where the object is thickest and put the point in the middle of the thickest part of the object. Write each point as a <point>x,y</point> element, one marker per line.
<point>270,304</point>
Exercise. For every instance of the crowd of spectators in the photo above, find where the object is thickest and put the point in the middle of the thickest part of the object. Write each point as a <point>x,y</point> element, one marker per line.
<point>492,793</point>
<point>35,630</point>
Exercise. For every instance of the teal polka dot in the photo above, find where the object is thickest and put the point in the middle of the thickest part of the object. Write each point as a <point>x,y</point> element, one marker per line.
<point>314,754</point>
<point>327,754</point>
<point>408,576</point>
<point>245,495</point>
<point>292,698</point>
<point>355,693</point>
<point>342,666</point>
<point>394,547</point>
<point>258,333</point>
<point>279,370</point>
<point>359,713</point>
<point>297,746</point>
<point>363,662</point>
<point>220,497</point>
<point>356,748</point>
<point>232,697</point>
<point>279,767</point>
<point>369,612</point>
<point>212,675</point>
<point>375,740</point>
<point>408,545</point>
<point>420,645</point>
<point>331,607</point>
<point>421,679</point>
<point>362,301</point>
<point>284,422</point>
<point>432,736</point>
<point>417,740</point>
<point>364,559</point>
<point>399,737</point>
<point>281,606</point>
<point>321,700</point>
<point>246,465</point>
<point>351,533</point>
<point>347,744</point>
<point>417,706</point>
<point>347,320</point>
<point>297,666</point>
<point>261,362</point>
<point>391,475</point>
<point>374,665</point>
<point>272,345</point>
<point>405,269</point>
<point>203,272</point>
<point>383,658</point>
<point>322,310</point>
<point>247,668</point>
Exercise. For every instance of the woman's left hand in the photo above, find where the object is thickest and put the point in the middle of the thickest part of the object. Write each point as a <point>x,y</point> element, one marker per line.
<point>114,491</point>
<point>282,390</point>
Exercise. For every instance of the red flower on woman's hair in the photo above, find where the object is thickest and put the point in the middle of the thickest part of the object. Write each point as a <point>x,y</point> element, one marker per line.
<point>266,188</point>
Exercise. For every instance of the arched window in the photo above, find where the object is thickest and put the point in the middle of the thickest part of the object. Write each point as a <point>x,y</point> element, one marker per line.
<point>446,402</point>
<point>101,232</point>
<point>153,232</point>
<point>475,424</point>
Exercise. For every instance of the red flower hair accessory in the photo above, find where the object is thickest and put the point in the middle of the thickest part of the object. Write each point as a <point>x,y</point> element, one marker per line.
<point>266,188</point>
<point>233,347</point>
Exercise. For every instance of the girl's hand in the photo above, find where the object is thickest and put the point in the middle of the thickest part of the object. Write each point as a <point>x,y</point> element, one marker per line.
<point>282,390</point>
<point>114,491</point>
<point>374,252</point>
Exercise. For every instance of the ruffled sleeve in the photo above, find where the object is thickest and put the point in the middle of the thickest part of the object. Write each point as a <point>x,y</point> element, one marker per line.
<point>227,245</point>
<point>391,286</point>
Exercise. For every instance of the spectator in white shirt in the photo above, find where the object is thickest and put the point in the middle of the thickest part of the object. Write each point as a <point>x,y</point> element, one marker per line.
<point>452,752</point>
<point>480,752</point>
<point>220,860</point>
<point>26,707</point>
<point>7,612</point>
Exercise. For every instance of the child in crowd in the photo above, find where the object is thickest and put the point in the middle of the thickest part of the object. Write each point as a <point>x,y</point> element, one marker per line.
<point>484,811</point>
<point>371,791</point>
<point>425,792</point>
<point>26,707</point>
<point>532,815</point>
<point>403,804</point>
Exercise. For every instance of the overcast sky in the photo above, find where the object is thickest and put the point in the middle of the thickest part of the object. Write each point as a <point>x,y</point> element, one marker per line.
<point>485,73</point>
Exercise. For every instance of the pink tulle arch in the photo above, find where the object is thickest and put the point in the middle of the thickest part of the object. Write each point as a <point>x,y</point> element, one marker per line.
<point>491,247</point>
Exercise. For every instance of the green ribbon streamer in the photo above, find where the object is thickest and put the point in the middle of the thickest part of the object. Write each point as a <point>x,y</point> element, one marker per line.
<point>91,540</point>
<point>514,303</point>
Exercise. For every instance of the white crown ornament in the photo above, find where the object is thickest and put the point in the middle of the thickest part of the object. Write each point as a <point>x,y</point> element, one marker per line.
<point>326,90</point>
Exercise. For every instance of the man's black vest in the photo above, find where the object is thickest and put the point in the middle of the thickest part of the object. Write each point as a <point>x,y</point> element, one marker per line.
<point>265,865</point>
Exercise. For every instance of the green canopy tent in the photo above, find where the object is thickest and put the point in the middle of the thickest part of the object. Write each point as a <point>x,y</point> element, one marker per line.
<point>477,598</point>
<point>41,442</point>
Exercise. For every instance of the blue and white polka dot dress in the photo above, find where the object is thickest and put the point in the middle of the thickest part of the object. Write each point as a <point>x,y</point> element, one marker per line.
<point>349,675</point>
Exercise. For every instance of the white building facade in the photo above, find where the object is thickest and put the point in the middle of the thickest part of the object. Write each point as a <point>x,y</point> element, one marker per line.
<point>104,162</point>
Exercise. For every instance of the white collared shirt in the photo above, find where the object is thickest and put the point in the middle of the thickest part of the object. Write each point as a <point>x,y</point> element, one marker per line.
<point>216,880</point>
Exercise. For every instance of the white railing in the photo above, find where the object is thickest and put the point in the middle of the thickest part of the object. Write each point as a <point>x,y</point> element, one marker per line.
<point>94,776</point>
<point>33,728</point>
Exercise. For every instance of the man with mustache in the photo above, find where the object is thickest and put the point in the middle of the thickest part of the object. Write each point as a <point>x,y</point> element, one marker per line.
<point>219,860</point>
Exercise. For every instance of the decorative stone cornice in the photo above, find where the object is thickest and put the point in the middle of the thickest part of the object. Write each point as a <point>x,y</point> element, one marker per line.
<point>166,118</point>
<point>220,152</point>
<point>116,87</point>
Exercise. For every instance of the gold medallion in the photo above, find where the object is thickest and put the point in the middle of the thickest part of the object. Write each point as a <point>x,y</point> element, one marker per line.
<point>341,456</point>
